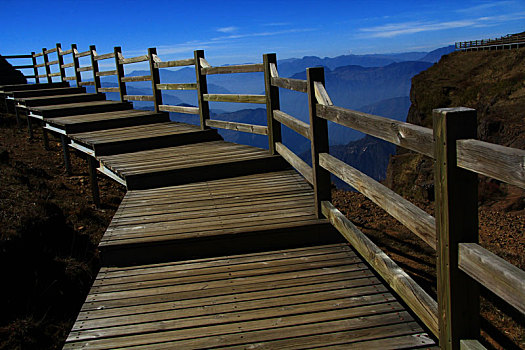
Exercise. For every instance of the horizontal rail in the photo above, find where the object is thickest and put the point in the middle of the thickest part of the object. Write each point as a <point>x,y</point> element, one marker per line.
<point>273,70</point>
<point>38,54</point>
<point>57,74</point>
<point>50,51</point>
<point>133,59</point>
<point>69,78</point>
<point>105,73</point>
<point>179,109</point>
<point>83,83</point>
<point>109,89</point>
<point>499,276</point>
<point>84,69</point>
<point>296,162</point>
<point>137,78</point>
<point>321,95</point>
<point>40,65</point>
<point>422,304</point>
<point>499,162</point>
<point>290,84</point>
<point>67,52</point>
<point>415,219</point>
<point>104,56</point>
<point>41,76</point>
<point>16,56</point>
<point>189,86</point>
<point>178,63</point>
<point>68,65</point>
<point>52,63</point>
<point>249,128</point>
<point>235,98</point>
<point>293,123</point>
<point>30,76</point>
<point>204,63</point>
<point>139,98</point>
<point>413,137</point>
<point>241,68</point>
<point>23,66</point>
<point>83,54</point>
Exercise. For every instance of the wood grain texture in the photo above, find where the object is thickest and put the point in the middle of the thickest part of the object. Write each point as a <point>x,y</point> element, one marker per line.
<point>272,102</point>
<point>414,218</point>
<point>290,84</point>
<point>293,123</point>
<point>237,98</point>
<point>139,98</point>
<point>470,344</point>
<point>502,163</point>
<point>136,78</point>
<point>296,162</point>
<point>105,56</point>
<point>322,95</point>
<point>413,137</point>
<point>179,109</point>
<point>178,63</point>
<point>185,86</point>
<point>496,274</point>
<point>242,68</point>
<point>202,87</point>
<point>249,128</point>
<point>134,59</point>
<point>424,306</point>
<point>107,73</point>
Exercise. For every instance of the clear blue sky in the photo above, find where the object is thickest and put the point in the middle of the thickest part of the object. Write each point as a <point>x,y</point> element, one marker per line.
<point>241,31</point>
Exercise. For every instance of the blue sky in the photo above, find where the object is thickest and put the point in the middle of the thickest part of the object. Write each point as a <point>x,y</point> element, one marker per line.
<point>241,31</point>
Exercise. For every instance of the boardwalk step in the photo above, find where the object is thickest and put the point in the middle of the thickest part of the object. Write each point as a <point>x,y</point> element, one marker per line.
<point>47,92</point>
<point>322,296</point>
<point>79,108</point>
<point>23,87</point>
<point>58,99</point>
<point>143,137</point>
<point>241,214</point>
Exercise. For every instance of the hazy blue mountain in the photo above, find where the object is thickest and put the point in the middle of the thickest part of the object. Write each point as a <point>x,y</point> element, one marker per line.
<point>434,56</point>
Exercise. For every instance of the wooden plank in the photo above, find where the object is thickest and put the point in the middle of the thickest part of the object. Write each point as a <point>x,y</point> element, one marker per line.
<point>106,73</point>
<point>40,65</point>
<point>318,141</point>
<point>237,98</point>
<point>120,72</point>
<point>250,128</point>
<point>242,68</point>
<point>416,298</point>
<point>273,70</point>
<point>178,63</point>
<point>105,56</point>
<point>202,88</point>
<point>94,64</point>
<point>496,274</point>
<point>42,76</point>
<point>136,78</point>
<point>76,64</point>
<point>179,109</point>
<point>272,102</point>
<point>413,137</point>
<point>322,95</point>
<point>69,78</point>
<point>84,83</point>
<point>139,98</point>
<point>17,56</point>
<point>134,59</point>
<point>57,74</point>
<point>84,69</point>
<point>37,55</point>
<point>189,86</point>
<point>69,65</point>
<point>456,222</point>
<point>290,84</point>
<point>66,52</point>
<point>204,63</point>
<point>502,163</point>
<point>50,51</point>
<point>414,218</point>
<point>46,66</point>
<point>470,344</point>
<point>52,63</point>
<point>293,123</point>
<point>298,164</point>
<point>155,77</point>
<point>83,54</point>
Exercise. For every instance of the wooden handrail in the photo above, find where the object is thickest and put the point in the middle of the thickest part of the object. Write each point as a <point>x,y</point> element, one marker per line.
<point>293,123</point>
<point>178,63</point>
<point>296,162</point>
<point>134,59</point>
<point>104,56</point>
<point>185,86</point>
<point>237,98</point>
<point>242,68</point>
<point>249,128</point>
<point>179,109</point>
<point>290,84</point>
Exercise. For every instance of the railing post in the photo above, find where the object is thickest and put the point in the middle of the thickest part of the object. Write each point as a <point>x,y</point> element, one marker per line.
<point>202,88</point>
<point>120,73</point>
<point>76,64</point>
<point>94,65</point>
<point>60,59</point>
<point>46,65</point>
<point>155,79</point>
<point>35,69</point>
<point>456,222</point>
<point>272,103</point>
<point>319,141</point>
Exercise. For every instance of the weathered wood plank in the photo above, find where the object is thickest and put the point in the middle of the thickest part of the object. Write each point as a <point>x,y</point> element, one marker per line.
<point>273,70</point>
<point>188,86</point>
<point>471,344</point>
<point>456,208</point>
<point>35,55</point>
<point>237,98</point>
<point>242,68</point>
<point>155,78</point>
<point>322,95</point>
<point>202,87</point>
<point>136,78</point>
<point>178,63</point>
<point>416,298</point>
<point>406,135</point>
<point>50,51</point>
<point>52,63</point>
<point>111,89</point>
<point>40,65</point>
<point>105,56</point>
<point>134,59</point>
<point>272,102</point>
<point>293,123</point>
<point>117,50</point>
<point>57,74</point>
<point>69,78</point>
<point>297,163</point>
<point>68,65</point>
<point>66,52</point>
<point>290,84</point>
<point>204,63</point>
<point>502,163</point>
<point>249,128</point>
<point>106,73</point>
<point>414,218</point>
<point>83,54</point>
<point>84,69</point>
<point>179,109</point>
<point>139,98</point>
<point>496,274</point>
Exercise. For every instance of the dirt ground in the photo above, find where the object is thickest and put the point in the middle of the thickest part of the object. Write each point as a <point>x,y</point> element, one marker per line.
<point>50,229</point>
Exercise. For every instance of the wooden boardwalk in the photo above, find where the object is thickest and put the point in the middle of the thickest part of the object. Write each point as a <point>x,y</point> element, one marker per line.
<point>315,297</point>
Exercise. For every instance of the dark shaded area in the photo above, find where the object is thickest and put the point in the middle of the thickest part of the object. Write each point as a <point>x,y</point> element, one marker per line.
<point>9,75</point>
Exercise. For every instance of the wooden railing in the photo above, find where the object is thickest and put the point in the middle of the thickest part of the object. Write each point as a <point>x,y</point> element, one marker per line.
<point>505,42</point>
<point>462,264</point>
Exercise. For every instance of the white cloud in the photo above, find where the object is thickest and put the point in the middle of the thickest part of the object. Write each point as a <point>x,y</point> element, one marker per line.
<point>227,29</point>
<point>485,6</point>
<point>259,34</point>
